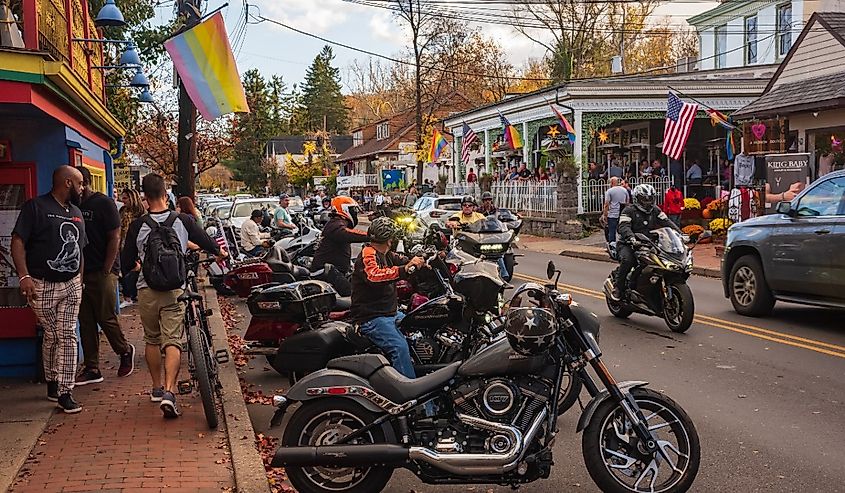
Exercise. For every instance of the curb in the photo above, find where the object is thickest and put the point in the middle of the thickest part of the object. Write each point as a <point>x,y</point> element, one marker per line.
<point>602,257</point>
<point>247,465</point>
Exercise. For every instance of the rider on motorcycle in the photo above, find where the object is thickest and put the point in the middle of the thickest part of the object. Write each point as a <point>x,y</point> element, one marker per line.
<point>468,215</point>
<point>374,300</point>
<point>338,235</point>
<point>640,217</point>
<point>487,208</point>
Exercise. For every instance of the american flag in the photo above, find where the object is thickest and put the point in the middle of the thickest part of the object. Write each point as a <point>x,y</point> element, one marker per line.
<point>679,119</point>
<point>220,239</point>
<point>469,138</point>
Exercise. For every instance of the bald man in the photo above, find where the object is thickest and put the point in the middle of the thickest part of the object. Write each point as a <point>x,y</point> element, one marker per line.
<point>47,244</point>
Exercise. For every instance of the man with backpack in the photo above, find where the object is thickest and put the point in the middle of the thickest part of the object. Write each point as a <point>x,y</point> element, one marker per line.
<point>160,240</point>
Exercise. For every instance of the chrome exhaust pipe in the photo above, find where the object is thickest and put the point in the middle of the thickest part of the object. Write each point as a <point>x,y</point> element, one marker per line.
<point>608,286</point>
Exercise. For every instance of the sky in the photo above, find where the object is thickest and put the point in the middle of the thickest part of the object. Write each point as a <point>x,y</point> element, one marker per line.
<point>275,50</point>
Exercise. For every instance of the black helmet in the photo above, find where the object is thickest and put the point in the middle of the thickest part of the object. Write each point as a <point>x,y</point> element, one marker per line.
<point>486,196</point>
<point>468,199</point>
<point>644,195</point>
<point>382,229</point>
<point>530,295</point>
<point>530,330</point>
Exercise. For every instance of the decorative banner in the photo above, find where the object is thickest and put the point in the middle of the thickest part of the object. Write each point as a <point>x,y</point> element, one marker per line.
<point>203,59</point>
<point>392,179</point>
<point>765,137</point>
<point>786,174</point>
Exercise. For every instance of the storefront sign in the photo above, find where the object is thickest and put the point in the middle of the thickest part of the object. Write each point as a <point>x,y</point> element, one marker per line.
<point>765,137</point>
<point>392,179</point>
<point>786,176</point>
<point>344,182</point>
<point>122,179</point>
<point>407,147</point>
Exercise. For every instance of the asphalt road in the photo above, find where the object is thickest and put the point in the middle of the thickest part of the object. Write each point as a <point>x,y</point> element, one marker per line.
<point>766,395</point>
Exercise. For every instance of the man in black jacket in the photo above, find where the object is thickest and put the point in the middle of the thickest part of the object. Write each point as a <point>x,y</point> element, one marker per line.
<point>338,236</point>
<point>640,217</point>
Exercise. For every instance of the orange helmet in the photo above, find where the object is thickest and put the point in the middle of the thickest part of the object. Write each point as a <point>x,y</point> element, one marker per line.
<point>346,207</point>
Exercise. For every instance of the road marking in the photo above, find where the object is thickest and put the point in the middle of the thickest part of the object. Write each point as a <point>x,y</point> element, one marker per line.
<point>751,330</point>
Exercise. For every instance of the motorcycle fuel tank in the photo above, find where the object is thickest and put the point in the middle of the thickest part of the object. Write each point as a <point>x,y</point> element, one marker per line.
<point>435,313</point>
<point>500,359</point>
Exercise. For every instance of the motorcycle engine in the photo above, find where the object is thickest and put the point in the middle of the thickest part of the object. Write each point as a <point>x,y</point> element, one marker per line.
<point>430,348</point>
<point>504,400</point>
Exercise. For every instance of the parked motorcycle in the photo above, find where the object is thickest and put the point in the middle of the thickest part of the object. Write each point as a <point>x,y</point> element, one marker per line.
<point>661,290</point>
<point>490,419</point>
<point>489,239</point>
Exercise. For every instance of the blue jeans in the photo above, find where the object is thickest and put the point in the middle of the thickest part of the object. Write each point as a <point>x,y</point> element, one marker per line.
<point>610,232</point>
<point>384,334</point>
<point>503,270</point>
<point>256,251</point>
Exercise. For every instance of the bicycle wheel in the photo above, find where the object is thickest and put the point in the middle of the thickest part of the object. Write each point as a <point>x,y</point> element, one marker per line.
<point>202,373</point>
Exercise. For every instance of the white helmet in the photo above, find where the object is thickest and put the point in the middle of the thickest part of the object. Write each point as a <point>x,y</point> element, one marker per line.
<point>644,195</point>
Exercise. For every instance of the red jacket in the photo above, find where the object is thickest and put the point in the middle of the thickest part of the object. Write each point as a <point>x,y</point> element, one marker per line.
<point>673,202</point>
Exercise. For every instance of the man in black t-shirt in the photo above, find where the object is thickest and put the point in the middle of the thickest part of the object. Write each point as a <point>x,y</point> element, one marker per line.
<point>99,295</point>
<point>47,245</point>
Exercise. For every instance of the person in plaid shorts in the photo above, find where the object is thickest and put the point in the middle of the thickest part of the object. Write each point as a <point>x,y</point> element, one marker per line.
<point>47,244</point>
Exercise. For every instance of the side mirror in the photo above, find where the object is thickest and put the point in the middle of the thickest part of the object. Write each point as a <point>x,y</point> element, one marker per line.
<point>550,270</point>
<point>784,208</point>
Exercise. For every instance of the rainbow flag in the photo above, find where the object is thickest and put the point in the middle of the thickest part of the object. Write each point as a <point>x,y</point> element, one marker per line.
<point>570,132</point>
<point>719,118</point>
<point>730,145</point>
<point>203,59</point>
<point>511,134</point>
<point>438,142</point>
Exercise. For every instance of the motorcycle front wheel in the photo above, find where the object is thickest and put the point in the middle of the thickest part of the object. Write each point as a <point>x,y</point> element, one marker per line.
<point>680,310</point>
<point>323,422</point>
<point>615,457</point>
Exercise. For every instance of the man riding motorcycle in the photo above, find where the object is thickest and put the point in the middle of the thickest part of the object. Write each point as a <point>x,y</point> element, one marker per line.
<point>374,299</point>
<point>337,237</point>
<point>468,215</point>
<point>640,217</point>
<point>487,208</point>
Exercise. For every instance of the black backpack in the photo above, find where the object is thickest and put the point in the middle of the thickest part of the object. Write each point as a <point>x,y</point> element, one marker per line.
<point>164,262</point>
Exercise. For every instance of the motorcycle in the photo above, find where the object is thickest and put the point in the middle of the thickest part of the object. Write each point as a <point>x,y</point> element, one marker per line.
<point>661,290</point>
<point>489,419</point>
<point>490,240</point>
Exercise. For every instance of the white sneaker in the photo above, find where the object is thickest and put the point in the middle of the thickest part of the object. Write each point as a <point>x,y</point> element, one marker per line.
<point>126,304</point>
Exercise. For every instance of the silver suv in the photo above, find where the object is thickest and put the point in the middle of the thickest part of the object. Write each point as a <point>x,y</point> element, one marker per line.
<point>796,254</point>
<point>431,208</point>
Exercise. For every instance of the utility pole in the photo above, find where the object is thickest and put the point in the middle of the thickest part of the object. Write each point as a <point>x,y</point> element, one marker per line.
<point>186,143</point>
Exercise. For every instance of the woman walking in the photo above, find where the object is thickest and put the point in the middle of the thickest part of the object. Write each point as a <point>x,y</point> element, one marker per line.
<point>132,209</point>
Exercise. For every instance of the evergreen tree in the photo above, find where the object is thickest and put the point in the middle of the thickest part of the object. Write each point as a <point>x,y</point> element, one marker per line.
<point>321,95</point>
<point>251,131</point>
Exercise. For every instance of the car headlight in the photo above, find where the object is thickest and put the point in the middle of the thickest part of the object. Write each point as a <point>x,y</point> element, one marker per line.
<point>492,248</point>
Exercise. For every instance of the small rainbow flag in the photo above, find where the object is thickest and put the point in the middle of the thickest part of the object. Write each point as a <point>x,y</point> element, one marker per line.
<point>570,132</point>
<point>438,142</point>
<point>719,118</point>
<point>203,59</point>
<point>511,133</point>
<point>730,145</point>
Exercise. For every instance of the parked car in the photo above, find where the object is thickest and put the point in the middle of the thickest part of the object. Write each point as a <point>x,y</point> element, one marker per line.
<point>242,209</point>
<point>431,208</point>
<point>796,254</point>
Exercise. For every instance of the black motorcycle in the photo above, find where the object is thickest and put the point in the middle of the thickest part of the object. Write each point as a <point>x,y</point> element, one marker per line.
<point>489,239</point>
<point>490,419</point>
<point>660,280</point>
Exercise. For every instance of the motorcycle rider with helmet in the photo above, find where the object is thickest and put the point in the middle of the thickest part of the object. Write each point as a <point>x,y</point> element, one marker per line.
<point>337,237</point>
<point>642,216</point>
<point>468,215</point>
<point>374,298</point>
<point>487,208</point>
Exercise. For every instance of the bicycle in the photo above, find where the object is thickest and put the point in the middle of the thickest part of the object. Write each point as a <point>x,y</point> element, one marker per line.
<point>202,358</point>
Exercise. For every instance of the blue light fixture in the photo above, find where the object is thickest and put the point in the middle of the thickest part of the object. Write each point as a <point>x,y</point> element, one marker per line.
<point>145,96</point>
<point>109,16</point>
<point>139,79</point>
<point>130,56</point>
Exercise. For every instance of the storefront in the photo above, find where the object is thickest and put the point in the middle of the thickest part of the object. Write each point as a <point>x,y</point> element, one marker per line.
<point>52,113</point>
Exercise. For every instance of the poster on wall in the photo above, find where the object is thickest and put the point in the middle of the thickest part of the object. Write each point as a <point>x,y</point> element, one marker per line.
<point>765,136</point>
<point>786,176</point>
<point>392,179</point>
<point>12,197</point>
<point>122,179</point>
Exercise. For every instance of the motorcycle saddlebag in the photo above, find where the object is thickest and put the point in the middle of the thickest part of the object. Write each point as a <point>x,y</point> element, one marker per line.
<point>304,301</point>
<point>311,350</point>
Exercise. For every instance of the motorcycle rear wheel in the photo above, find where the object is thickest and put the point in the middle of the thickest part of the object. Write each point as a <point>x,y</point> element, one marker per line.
<point>617,308</point>
<point>678,317</point>
<point>617,463</point>
<point>322,422</point>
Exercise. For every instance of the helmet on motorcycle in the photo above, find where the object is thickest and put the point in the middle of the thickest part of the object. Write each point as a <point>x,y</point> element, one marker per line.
<point>530,295</point>
<point>486,196</point>
<point>346,207</point>
<point>643,196</point>
<point>530,330</point>
<point>468,199</point>
<point>382,229</point>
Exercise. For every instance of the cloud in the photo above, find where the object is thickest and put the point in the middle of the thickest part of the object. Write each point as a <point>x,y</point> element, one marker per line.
<point>314,16</point>
<point>383,28</point>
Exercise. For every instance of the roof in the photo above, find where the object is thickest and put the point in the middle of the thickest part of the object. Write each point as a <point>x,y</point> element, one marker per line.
<point>722,12</point>
<point>293,143</point>
<point>817,93</point>
<point>375,146</point>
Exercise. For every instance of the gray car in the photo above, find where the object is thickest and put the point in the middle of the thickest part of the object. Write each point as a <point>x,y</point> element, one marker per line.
<point>796,254</point>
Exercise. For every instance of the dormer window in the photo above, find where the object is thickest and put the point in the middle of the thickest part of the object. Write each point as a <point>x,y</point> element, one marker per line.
<point>382,131</point>
<point>357,138</point>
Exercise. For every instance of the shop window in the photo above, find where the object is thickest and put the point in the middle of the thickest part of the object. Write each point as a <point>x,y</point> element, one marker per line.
<point>75,158</point>
<point>784,33</point>
<point>751,40</point>
<point>721,46</point>
<point>98,179</point>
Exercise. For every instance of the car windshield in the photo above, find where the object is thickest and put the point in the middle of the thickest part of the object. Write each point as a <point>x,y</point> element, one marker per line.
<point>669,241</point>
<point>295,203</point>
<point>222,211</point>
<point>244,209</point>
<point>449,204</point>
<point>488,225</point>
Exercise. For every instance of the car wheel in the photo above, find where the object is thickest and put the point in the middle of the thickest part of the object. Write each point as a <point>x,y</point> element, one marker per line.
<point>749,293</point>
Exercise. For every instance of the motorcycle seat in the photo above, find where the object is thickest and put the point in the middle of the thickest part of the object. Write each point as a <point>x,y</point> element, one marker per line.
<point>363,365</point>
<point>342,303</point>
<point>388,382</point>
<point>282,267</point>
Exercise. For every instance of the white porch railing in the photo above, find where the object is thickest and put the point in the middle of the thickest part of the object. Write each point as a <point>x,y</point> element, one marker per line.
<point>592,191</point>
<point>530,198</point>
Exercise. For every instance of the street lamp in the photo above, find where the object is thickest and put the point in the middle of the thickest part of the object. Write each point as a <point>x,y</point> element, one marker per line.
<point>130,55</point>
<point>139,79</point>
<point>145,96</point>
<point>109,16</point>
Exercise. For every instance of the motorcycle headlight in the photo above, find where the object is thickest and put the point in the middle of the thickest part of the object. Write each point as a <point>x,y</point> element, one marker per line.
<point>405,220</point>
<point>493,248</point>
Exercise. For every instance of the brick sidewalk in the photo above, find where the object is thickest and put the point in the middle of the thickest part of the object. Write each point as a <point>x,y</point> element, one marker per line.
<point>121,443</point>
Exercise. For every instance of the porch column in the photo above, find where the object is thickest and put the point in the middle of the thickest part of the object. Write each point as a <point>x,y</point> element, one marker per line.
<point>578,153</point>
<point>526,151</point>
<point>487,149</point>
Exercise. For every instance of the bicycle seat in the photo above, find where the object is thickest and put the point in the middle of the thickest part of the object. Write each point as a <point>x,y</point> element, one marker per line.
<point>188,295</point>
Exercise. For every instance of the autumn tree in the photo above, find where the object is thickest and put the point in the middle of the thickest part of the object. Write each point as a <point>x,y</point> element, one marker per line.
<point>533,76</point>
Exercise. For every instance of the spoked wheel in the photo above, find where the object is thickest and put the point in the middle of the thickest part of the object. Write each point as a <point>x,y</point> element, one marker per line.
<point>616,459</point>
<point>203,374</point>
<point>570,389</point>
<point>617,308</point>
<point>324,422</point>
<point>680,310</point>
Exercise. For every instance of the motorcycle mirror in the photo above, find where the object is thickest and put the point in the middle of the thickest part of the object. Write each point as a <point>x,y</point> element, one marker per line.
<point>550,270</point>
